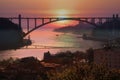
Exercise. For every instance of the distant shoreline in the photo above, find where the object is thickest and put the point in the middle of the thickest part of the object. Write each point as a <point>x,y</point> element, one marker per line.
<point>94,39</point>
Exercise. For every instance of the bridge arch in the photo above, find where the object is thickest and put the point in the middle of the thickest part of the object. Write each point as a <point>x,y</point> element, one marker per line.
<point>59,19</point>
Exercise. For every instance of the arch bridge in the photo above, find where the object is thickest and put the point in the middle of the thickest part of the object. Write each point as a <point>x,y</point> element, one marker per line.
<point>95,21</point>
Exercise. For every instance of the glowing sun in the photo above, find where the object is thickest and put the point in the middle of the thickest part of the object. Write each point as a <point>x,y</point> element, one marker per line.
<point>62,13</point>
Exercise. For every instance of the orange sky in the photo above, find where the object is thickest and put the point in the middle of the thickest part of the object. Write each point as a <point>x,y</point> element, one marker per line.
<point>55,7</point>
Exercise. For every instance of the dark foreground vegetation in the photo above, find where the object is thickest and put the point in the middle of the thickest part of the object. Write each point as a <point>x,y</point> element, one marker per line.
<point>61,66</point>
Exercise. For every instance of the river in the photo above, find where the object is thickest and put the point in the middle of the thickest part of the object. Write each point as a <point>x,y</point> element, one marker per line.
<point>56,41</point>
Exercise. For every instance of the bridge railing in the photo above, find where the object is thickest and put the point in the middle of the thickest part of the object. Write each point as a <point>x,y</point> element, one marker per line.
<point>41,21</point>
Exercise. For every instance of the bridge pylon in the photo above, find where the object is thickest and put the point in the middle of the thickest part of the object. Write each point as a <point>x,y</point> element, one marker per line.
<point>19,20</point>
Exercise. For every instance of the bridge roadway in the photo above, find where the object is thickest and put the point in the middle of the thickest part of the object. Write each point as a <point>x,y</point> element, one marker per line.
<point>95,21</point>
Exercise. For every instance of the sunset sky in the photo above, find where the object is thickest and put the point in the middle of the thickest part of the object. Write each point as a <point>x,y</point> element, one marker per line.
<point>59,7</point>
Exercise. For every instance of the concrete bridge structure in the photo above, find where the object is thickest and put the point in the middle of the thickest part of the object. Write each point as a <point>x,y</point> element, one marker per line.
<point>95,21</point>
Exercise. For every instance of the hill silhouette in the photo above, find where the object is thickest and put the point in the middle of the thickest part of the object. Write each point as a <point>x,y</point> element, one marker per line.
<point>11,35</point>
<point>6,24</point>
<point>81,28</point>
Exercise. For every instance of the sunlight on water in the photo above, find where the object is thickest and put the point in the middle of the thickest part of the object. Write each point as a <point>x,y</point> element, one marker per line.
<point>50,41</point>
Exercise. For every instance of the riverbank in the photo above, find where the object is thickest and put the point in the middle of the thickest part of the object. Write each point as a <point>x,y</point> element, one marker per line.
<point>88,37</point>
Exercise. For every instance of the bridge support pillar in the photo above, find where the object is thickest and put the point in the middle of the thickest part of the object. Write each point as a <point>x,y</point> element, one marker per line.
<point>50,20</point>
<point>86,19</point>
<point>35,22</point>
<point>100,21</point>
<point>93,20</point>
<point>42,20</point>
<point>19,20</point>
<point>27,25</point>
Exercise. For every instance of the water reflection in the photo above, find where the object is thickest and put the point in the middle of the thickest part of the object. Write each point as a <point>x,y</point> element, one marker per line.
<point>48,38</point>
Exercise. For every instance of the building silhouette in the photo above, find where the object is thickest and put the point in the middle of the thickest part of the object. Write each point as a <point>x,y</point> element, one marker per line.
<point>108,30</point>
<point>109,58</point>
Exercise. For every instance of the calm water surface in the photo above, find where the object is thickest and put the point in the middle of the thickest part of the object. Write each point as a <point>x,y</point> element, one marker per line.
<point>47,38</point>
